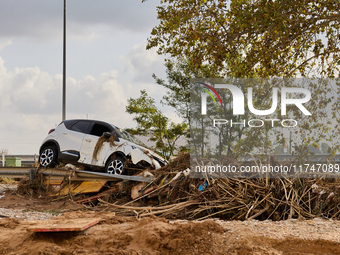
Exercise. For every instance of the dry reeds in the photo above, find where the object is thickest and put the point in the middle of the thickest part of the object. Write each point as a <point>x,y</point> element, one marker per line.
<point>237,199</point>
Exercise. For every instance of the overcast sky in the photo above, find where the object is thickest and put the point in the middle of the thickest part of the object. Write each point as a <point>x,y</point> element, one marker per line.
<point>107,63</point>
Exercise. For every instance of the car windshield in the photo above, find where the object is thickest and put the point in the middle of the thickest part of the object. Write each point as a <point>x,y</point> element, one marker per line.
<point>127,136</point>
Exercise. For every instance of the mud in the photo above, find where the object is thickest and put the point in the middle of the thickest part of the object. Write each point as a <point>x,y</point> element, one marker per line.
<point>111,140</point>
<point>128,235</point>
<point>153,235</point>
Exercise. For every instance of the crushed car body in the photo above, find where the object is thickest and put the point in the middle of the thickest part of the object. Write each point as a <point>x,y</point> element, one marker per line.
<point>96,145</point>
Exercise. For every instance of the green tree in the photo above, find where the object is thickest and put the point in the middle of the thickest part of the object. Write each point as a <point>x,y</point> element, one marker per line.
<point>178,88</point>
<point>251,38</point>
<point>260,38</point>
<point>151,121</point>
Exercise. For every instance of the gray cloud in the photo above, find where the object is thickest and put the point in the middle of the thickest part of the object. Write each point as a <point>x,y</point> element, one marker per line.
<point>32,91</point>
<point>143,63</point>
<point>43,18</point>
<point>118,64</point>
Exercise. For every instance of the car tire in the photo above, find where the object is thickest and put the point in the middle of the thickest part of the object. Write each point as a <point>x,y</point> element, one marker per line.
<point>115,166</point>
<point>48,157</point>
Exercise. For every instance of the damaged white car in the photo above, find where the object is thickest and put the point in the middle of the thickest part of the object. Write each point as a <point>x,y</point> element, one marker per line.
<point>96,145</point>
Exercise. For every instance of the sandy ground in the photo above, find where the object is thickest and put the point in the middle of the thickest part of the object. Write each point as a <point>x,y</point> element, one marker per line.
<point>128,235</point>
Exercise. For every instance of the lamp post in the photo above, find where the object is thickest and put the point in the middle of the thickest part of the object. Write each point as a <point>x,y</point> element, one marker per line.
<point>64,67</point>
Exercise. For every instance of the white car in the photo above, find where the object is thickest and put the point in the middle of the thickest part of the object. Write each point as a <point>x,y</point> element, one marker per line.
<point>74,141</point>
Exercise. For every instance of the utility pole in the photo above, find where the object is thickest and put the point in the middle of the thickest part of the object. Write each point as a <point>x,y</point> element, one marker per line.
<point>64,67</point>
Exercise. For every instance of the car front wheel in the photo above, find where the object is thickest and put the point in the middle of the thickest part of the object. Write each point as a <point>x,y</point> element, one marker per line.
<point>48,157</point>
<point>115,166</point>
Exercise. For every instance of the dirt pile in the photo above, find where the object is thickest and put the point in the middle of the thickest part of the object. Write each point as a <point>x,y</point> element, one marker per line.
<point>9,223</point>
<point>126,235</point>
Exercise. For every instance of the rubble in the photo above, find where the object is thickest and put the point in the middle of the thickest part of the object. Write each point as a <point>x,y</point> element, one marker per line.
<point>231,199</point>
<point>176,214</point>
<point>228,198</point>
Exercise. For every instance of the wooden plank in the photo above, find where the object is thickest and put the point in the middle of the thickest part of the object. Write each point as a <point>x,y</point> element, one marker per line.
<point>62,225</point>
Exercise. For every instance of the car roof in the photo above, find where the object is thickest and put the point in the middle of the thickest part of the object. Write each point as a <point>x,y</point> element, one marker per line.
<point>87,120</point>
<point>72,121</point>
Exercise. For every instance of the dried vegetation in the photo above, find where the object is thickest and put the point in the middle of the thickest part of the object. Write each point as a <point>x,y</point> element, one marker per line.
<point>233,199</point>
<point>173,194</point>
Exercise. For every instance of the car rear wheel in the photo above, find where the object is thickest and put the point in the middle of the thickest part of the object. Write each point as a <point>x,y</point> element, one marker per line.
<point>48,157</point>
<point>115,165</point>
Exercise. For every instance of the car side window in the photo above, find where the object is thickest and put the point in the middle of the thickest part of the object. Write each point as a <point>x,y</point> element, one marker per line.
<point>81,126</point>
<point>68,123</point>
<point>98,130</point>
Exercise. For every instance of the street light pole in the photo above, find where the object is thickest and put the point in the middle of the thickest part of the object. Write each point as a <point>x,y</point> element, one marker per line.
<point>64,66</point>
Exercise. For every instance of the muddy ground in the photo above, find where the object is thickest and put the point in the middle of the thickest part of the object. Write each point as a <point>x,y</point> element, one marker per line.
<point>152,235</point>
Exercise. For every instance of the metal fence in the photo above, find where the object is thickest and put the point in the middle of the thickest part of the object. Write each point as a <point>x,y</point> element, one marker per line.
<point>26,160</point>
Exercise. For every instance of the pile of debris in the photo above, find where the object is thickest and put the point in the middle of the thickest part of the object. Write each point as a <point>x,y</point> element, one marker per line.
<point>179,196</point>
<point>173,194</point>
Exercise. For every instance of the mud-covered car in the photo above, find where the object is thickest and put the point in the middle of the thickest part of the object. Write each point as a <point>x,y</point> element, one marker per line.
<point>96,145</point>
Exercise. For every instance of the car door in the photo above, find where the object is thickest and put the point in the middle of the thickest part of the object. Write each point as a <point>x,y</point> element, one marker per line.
<point>71,139</point>
<point>89,143</point>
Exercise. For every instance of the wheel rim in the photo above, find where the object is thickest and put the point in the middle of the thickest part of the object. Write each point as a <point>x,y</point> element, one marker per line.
<point>115,167</point>
<point>46,157</point>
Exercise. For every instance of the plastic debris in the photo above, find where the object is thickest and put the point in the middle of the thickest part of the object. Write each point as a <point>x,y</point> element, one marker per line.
<point>203,186</point>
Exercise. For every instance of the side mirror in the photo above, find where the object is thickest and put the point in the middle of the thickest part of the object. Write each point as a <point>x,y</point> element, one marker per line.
<point>107,135</point>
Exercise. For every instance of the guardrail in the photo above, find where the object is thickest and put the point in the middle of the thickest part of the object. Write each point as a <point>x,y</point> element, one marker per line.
<point>30,160</point>
<point>62,174</point>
